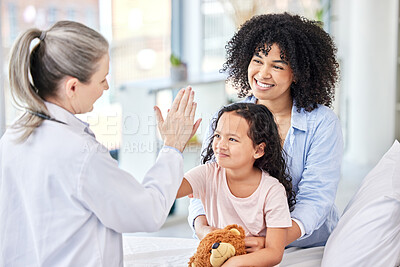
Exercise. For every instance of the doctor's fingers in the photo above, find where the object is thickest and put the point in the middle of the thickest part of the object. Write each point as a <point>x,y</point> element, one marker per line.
<point>159,117</point>
<point>195,127</point>
<point>190,104</point>
<point>192,112</point>
<point>178,97</point>
<point>188,117</point>
<point>181,100</point>
<point>184,103</point>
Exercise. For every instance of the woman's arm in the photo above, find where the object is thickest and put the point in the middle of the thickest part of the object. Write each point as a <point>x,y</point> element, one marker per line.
<point>196,217</point>
<point>271,255</point>
<point>201,226</point>
<point>321,173</point>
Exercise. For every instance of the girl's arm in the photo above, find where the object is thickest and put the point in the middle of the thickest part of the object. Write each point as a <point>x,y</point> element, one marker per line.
<point>185,189</point>
<point>271,255</point>
<point>254,243</point>
<point>293,234</point>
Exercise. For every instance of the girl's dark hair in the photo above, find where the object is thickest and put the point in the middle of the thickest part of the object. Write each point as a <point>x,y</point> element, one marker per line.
<point>262,128</point>
<point>307,48</point>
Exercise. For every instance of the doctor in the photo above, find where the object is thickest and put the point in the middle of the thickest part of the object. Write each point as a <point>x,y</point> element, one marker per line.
<point>63,199</point>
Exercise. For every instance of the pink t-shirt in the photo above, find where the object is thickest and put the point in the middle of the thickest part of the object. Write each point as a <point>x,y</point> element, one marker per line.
<point>266,207</point>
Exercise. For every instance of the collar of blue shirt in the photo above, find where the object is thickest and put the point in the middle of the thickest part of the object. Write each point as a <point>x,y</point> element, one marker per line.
<point>298,120</point>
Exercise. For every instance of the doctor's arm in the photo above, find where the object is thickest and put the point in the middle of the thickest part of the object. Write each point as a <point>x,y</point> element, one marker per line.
<point>117,199</point>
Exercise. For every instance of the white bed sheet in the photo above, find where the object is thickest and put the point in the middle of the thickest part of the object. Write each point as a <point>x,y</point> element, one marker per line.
<point>302,257</point>
<point>175,252</point>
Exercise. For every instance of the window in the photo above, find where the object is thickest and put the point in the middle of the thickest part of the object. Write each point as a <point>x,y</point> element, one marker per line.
<point>52,15</point>
<point>71,14</point>
<point>19,15</point>
<point>218,28</point>
<point>12,23</point>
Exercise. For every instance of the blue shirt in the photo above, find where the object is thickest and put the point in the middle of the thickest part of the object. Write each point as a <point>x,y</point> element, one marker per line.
<point>314,148</point>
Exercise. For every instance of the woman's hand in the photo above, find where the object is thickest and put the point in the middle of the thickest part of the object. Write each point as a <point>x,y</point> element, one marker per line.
<point>201,226</point>
<point>254,243</point>
<point>177,128</point>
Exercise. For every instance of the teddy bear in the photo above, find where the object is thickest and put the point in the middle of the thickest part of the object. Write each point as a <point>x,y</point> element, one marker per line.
<point>218,246</point>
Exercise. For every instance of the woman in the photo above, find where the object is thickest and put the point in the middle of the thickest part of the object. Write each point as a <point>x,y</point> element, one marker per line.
<point>288,64</point>
<point>63,199</point>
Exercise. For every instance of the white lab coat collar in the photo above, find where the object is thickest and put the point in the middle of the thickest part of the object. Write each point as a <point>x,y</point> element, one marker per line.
<point>67,117</point>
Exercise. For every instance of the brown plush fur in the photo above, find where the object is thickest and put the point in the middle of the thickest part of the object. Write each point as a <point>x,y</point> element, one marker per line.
<point>202,256</point>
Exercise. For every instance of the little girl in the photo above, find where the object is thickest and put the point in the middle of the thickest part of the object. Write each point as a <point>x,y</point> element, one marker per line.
<point>248,184</point>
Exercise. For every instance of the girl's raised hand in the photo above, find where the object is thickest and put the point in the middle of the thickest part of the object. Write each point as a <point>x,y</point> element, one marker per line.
<point>177,128</point>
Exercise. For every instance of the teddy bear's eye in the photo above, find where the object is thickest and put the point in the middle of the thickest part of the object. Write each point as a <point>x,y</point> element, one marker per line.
<point>215,245</point>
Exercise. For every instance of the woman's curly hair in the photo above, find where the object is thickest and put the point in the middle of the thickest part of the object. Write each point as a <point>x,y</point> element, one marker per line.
<point>262,129</point>
<point>307,48</point>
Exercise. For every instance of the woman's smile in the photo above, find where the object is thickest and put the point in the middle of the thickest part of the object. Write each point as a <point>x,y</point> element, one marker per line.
<point>264,86</point>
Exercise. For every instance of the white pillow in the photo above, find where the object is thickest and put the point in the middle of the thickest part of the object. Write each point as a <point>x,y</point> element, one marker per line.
<point>368,233</point>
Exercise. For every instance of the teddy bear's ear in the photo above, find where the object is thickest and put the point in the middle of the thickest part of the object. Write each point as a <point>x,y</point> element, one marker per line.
<point>237,228</point>
<point>229,227</point>
<point>235,231</point>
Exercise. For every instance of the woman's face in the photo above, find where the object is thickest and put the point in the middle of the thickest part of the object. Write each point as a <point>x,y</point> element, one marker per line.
<point>88,93</point>
<point>269,76</point>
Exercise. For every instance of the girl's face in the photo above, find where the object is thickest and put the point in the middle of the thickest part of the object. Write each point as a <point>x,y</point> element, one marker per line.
<point>269,76</point>
<point>88,93</point>
<point>232,147</point>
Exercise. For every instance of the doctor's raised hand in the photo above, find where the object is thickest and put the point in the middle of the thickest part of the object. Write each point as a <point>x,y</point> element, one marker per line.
<point>178,128</point>
<point>63,199</point>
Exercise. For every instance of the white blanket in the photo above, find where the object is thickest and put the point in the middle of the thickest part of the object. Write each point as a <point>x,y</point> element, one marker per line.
<point>175,252</point>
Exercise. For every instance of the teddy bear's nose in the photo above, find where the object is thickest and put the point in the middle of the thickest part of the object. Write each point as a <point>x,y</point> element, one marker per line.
<point>215,245</point>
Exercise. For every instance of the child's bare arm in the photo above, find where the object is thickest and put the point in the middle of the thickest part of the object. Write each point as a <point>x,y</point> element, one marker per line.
<point>254,243</point>
<point>185,189</point>
<point>271,255</point>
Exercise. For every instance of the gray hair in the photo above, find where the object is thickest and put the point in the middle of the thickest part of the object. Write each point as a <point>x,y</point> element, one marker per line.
<point>67,49</point>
